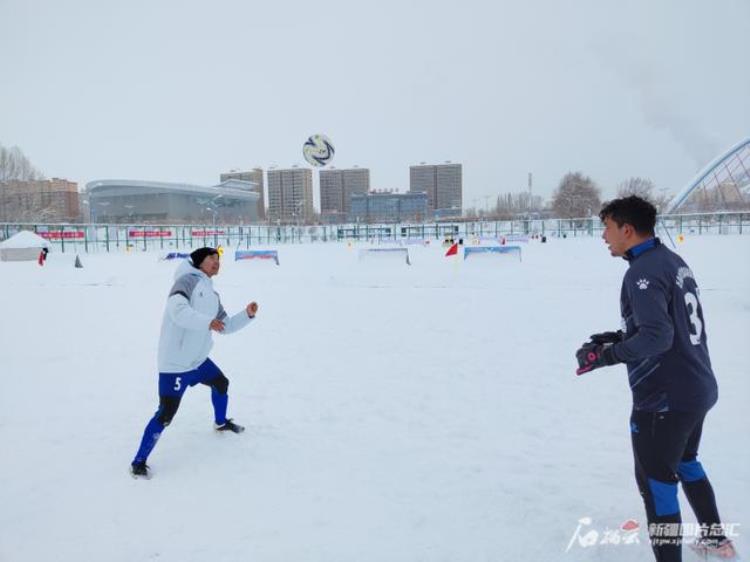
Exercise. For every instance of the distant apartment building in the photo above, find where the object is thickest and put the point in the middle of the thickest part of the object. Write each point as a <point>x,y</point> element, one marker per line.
<point>290,195</point>
<point>256,177</point>
<point>388,207</point>
<point>336,190</point>
<point>53,200</point>
<point>443,184</point>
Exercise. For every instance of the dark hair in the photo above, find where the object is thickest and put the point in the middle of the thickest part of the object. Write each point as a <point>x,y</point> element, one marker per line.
<point>200,254</point>
<point>632,210</point>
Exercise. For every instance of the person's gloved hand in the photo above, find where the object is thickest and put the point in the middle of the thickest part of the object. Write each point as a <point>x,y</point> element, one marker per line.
<point>593,356</point>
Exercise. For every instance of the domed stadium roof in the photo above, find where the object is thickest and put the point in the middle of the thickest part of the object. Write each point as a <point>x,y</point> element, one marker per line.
<point>238,189</point>
<point>722,185</point>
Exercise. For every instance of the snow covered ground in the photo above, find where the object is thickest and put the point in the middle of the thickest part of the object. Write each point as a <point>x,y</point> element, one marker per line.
<point>394,413</point>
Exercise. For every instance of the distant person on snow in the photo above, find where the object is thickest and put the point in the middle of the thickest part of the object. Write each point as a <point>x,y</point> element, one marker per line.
<point>193,310</point>
<point>43,256</point>
<point>669,371</point>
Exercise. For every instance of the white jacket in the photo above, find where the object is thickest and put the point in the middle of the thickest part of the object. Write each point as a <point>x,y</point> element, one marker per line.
<point>185,339</point>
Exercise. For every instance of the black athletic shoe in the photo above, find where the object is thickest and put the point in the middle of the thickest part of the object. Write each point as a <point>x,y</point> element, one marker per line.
<point>229,425</point>
<point>713,548</point>
<point>139,469</point>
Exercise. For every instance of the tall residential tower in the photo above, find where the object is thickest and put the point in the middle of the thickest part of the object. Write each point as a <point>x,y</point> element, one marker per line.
<point>290,194</point>
<point>443,184</point>
<point>337,188</point>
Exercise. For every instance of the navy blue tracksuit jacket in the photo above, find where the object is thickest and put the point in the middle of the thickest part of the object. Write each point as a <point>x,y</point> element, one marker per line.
<point>665,348</point>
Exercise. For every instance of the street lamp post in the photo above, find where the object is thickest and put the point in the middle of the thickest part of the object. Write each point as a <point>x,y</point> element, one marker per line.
<point>130,212</point>
<point>213,210</point>
<point>88,206</point>
<point>213,207</point>
<point>299,216</point>
<point>103,205</point>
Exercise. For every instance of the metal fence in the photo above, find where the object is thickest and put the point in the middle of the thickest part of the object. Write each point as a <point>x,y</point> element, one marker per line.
<point>86,238</point>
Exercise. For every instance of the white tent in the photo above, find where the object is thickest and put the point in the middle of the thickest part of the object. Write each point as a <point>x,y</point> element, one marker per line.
<point>23,246</point>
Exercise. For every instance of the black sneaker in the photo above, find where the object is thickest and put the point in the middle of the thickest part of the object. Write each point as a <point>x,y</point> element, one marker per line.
<point>229,425</point>
<point>714,548</point>
<point>139,469</point>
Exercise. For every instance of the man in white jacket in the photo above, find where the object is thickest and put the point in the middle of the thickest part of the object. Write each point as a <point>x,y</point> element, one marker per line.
<point>193,311</point>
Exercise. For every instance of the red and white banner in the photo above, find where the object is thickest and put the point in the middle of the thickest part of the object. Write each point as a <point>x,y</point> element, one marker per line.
<point>207,233</point>
<point>149,233</point>
<point>66,234</point>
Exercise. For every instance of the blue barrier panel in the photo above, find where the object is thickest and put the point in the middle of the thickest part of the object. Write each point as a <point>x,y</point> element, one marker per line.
<point>257,255</point>
<point>469,250</point>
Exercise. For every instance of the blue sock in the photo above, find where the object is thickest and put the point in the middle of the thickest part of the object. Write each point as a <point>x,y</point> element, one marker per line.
<point>150,436</point>
<point>220,406</point>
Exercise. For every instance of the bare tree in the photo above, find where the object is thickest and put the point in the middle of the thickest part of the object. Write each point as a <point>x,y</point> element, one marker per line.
<point>641,187</point>
<point>16,201</point>
<point>470,213</point>
<point>661,200</point>
<point>645,189</point>
<point>15,166</point>
<point>510,205</point>
<point>577,196</point>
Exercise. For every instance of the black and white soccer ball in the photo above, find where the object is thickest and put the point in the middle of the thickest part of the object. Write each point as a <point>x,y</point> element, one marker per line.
<point>318,150</point>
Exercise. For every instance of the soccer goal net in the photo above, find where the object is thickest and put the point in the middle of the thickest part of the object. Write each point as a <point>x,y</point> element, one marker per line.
<point>388,255</point>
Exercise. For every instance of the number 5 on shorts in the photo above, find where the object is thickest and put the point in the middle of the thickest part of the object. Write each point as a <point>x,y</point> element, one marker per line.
<point>177,383</point>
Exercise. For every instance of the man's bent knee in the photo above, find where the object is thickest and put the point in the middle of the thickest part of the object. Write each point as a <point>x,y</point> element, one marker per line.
<point>220,384</point>
<point>167,409</point>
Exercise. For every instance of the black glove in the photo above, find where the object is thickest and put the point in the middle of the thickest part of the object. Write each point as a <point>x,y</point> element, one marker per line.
<point>593,356</point>
<point>608,337</point>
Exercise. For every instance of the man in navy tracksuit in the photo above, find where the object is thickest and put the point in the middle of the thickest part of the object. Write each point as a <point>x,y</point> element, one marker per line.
<point>669,370</point>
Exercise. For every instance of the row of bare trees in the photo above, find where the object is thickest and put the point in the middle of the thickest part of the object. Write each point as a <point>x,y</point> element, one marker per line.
<point>14,165</point>
<point>16,203</point>
<point>577,196</point>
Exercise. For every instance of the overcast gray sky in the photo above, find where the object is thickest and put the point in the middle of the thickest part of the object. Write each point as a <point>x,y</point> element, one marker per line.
<point>181,90</point>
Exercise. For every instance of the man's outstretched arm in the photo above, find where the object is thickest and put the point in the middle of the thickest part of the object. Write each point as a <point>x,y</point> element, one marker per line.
<point>238,321</point>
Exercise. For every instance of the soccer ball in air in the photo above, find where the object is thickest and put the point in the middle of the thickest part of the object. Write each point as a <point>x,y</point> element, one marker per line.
<point>318,150</point>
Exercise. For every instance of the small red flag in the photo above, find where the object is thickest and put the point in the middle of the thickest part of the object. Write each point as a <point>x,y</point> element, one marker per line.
<point>452,251</point>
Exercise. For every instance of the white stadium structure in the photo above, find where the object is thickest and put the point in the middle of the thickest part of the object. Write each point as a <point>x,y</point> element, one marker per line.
<point>119,201</point>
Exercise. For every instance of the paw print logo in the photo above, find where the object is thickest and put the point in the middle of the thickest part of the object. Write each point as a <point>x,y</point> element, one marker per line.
<point>642,284</point>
